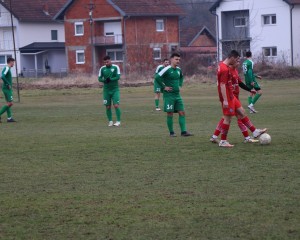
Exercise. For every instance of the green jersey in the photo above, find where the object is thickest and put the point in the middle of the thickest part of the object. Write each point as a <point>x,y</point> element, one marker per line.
<point>112,72</point>
<point>6,77</point>
<point>170,77</point>
<point>248,71</point>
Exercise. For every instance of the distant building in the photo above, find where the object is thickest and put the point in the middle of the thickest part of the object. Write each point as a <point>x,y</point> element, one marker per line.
<point>137,35</point>
<point>269,28</point>
<point>39,40</point>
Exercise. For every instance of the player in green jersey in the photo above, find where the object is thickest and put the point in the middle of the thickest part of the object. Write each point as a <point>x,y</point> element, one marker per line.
<point>109,75</point>
<point>250,81</point>
<point>7,89</point>
<point>170,80</point>
<point>157,89</point>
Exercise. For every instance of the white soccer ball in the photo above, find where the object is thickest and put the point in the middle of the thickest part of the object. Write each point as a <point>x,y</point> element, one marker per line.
<point>265,139</point>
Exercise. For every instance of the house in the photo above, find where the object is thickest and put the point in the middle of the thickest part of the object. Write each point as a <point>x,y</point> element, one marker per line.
<point>198,41</point>
<point>137,35</point>
<point>28,30</point>
<point>269,28</point>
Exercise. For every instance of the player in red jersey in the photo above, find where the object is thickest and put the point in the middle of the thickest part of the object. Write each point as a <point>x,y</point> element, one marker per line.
<point>231,105</point>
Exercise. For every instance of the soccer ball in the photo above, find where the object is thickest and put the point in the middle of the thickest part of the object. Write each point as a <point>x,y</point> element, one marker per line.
<point>265,139</point>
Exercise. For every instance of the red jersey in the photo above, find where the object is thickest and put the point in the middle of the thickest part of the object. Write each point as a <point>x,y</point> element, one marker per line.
<point>235,82</point>
<point>225,77</point>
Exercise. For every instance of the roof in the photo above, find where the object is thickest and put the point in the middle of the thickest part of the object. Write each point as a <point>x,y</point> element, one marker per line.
<point>34,10</point>
<point>136,8</point>
<point>217,4</point>
<point>189,34</point>
<point>42,46</point>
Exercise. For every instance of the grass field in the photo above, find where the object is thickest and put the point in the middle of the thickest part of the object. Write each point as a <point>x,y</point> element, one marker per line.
<point>65,175</point>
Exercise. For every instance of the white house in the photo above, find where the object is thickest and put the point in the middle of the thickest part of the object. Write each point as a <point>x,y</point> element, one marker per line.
<point>269,28</point>
<point>28,31</point>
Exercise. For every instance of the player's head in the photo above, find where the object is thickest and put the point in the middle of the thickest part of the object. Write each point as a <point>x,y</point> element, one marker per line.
<point>10,61</point>
<point>166,62</point>
<point>233,57</point>
<point>175,59</point>
<point>248,54</point>
<point>107,61</point>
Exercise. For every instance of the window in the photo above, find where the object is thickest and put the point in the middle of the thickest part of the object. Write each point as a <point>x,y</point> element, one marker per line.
<point>3,59</point>
<point>270,51</point>
<point>54,35</point>
<point>156,53</point>
<point>160,26</point>
<point>173,48</point>
<point>269,19</point>
<point>116,55</point>
<point>79,29</point>
<point>240,22</point>
<point>80,57</point>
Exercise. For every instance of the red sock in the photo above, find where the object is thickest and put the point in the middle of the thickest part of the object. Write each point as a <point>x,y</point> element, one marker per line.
<point>219,127</point>
<point>243,128</point>
<point>224,131</point>
<point>246,121</point>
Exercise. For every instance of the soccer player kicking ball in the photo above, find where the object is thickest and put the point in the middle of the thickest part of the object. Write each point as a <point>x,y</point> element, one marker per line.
<point>109,74</point>
<point>7,90</point>
<point>157,89</point>
<point>170,80</point>
<point>237,84</point>
<point>250,80</point>
<point>231,106</point>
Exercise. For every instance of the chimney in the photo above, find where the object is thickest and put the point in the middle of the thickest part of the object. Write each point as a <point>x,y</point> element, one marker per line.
<point>46,8</point>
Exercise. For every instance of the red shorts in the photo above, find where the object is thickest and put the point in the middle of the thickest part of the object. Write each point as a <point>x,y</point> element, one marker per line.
<point>233,105</point>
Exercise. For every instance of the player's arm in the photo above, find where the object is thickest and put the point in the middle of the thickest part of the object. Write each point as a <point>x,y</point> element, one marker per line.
<point>244,86</point>
<point>224,95</point>
<point>181,79</point>
<point>100,76</point>
<point>117,74</point>
<point>159,79</point>
<point>3,77</point>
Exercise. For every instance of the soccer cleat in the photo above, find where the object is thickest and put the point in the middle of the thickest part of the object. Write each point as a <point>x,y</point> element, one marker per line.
<point>214,140</point>
<point>173,135</point>
<point>224,143</point>
<point>186,134</point>
<point>250,140</point>
<point>259,132</point>
<point>117,124</point>
<point>157,109</point>
<point>252,109</point>
<point>11,120</point>
<point>110,123</point>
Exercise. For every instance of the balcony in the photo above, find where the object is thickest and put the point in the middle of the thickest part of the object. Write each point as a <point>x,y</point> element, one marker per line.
<point>108,40</point>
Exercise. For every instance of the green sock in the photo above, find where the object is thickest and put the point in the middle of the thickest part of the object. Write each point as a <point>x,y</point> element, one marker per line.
<point>8,112</point>
<point>109,114</point>
<point>3,109</point>
<point>157,103</point>
<point>170,123</point>
<point>250,100</point>
<point>182,123</point>
<point>118,113</point>
<point>256,97</point>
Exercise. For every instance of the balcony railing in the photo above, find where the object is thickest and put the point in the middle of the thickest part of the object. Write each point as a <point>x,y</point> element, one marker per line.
<point>108,40</point>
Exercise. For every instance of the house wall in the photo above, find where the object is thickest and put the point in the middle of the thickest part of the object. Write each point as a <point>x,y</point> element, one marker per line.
<point>296,34</point>
<point>278,35</point>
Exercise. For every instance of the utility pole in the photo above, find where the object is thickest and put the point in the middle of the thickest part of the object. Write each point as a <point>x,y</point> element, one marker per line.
<point>91,7</point>
<point>15,52</point>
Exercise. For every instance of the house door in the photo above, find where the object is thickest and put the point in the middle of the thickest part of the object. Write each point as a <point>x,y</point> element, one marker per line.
<point>113,29</point>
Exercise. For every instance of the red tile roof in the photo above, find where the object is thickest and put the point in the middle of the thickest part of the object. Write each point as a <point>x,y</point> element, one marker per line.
<point>148,7</point>
<point>34,10</point>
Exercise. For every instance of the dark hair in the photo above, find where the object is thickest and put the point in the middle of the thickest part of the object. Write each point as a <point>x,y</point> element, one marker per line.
<point>10,59</point>
<point>106,58</point>
<point>175,55</point>
<point>248,54</point>
<point>233,53</point>
<point>166,59</point>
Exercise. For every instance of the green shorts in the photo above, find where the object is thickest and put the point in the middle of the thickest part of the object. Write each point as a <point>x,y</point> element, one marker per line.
<point>256,86</point>
<point>8,94</point>
<point>173,102</point>
<point>157,88</point>
<point>111,95</point>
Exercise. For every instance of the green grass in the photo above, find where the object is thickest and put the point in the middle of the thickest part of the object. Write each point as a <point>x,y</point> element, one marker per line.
<point>65,175</point>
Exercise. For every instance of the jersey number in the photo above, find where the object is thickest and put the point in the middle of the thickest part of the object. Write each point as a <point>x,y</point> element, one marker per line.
<point>169,107</point>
